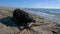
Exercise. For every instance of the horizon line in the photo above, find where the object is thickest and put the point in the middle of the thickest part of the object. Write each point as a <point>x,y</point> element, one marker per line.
<point>27,7</point>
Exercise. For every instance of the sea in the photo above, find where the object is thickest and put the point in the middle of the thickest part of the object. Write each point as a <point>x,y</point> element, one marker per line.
<point>51,14</point>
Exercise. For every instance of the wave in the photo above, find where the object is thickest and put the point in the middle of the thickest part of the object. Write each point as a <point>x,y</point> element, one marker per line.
<point>45,14</point>
<point>48,16</point>
<point>54,12</point>
<point>51,17</point>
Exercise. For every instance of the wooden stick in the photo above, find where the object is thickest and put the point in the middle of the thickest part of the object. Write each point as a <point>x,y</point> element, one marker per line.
<point>24,30</point>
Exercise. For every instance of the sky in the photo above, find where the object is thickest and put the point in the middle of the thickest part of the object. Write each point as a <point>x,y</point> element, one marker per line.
<point>31,3</point>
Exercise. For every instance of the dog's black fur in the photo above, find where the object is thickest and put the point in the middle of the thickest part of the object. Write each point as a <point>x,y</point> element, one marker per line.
<point>22,18</point>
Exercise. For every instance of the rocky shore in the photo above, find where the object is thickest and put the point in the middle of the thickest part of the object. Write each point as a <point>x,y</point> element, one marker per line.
<point>7,25</point>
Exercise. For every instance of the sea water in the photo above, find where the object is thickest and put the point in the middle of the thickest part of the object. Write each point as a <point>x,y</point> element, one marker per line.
<point>51,14</point>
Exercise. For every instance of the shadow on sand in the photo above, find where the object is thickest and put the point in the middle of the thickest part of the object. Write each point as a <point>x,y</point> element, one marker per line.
<point>8,21</point>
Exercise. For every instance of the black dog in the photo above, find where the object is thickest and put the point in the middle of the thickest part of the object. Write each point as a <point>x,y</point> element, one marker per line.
<point>22,18</point>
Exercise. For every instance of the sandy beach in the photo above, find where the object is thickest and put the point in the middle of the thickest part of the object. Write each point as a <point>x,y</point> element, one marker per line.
<point>7,25</point>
